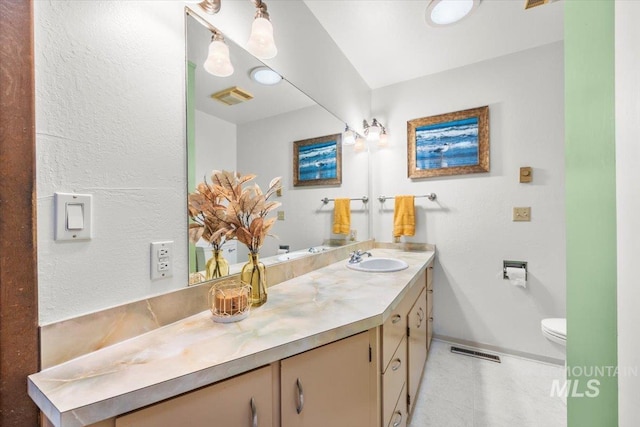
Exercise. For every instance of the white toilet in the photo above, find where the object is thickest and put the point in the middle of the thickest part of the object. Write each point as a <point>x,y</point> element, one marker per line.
<point>555,329</point>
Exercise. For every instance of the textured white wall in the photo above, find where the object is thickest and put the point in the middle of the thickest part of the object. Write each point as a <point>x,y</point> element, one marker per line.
<point>110,115</point>
<point>471,221</point>
<point>627,35</point>
<point>265,148</point>
<point>110,122</point>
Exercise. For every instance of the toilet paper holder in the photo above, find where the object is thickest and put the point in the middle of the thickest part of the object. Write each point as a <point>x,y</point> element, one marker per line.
<point>514,264</point>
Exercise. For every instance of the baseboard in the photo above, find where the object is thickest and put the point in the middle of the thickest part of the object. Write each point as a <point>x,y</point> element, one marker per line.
<point>516,353</point>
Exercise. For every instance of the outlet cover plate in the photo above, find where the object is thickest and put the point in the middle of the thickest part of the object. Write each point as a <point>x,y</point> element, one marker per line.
<point>522,214</point>
<point>161,260</point>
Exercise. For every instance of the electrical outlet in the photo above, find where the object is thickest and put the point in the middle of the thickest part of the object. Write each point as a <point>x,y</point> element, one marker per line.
<point>161,260</point>
<point>522,214</point>
<point>280,215</point>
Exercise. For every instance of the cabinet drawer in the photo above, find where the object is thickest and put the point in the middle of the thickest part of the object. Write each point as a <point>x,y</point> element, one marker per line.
<point>393,380</point>
<point>393,330</point>
<point>399,415</point>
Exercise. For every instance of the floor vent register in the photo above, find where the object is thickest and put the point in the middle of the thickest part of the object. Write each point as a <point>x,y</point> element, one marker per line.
<point>477,354</point>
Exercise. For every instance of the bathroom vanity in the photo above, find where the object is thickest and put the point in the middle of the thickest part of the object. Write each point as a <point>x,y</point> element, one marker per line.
<point>332,346</point>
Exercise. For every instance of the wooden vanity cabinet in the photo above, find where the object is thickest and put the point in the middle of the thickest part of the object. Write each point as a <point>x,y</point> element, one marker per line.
<point>245,400</point>
<point>406,336</point>
<point>330,385</point>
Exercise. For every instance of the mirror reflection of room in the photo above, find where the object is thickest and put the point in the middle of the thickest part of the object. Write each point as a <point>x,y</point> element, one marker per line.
<point>245,117</point>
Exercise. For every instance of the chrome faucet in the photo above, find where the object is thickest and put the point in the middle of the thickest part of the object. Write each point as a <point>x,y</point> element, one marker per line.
<point>314,250</point>
<point>356,257</point>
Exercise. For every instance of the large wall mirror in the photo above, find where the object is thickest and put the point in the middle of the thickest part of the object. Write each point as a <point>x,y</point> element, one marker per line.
<point>256,136</point>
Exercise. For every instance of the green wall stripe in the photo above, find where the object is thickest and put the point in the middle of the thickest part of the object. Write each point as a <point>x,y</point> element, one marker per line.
<point>591,213</point>
<point>191,145</point>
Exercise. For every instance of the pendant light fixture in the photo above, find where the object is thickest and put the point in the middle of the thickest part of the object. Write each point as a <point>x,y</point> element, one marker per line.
<point>261,42</point>
<point>211,6</point>
<point>218,62</point>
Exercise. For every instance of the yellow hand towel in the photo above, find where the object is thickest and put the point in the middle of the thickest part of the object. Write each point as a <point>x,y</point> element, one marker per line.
<point>341,216</point>
<point>404,216</point>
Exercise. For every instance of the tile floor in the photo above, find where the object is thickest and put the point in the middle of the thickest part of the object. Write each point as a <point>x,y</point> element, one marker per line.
<point>463,391</point>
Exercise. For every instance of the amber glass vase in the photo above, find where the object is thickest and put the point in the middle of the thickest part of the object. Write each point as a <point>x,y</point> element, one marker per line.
<point>217,266</point>
<point>253,274</point>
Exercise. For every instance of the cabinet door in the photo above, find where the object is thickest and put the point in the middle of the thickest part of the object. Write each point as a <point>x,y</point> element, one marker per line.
<point>429,306</point>
<point>245,400</point>
<point>418,322</point>
<point>328,386</point>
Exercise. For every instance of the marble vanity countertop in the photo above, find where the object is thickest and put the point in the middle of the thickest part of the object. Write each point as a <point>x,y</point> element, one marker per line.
<point>305,312</point>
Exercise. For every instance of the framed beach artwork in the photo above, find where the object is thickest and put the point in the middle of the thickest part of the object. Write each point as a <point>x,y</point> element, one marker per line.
<point>318,161</point>
<point>449,144</point>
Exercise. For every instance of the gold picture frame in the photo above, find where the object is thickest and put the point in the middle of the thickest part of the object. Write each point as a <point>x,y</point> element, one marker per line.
<point>318,161</point>
<point>448,144</point>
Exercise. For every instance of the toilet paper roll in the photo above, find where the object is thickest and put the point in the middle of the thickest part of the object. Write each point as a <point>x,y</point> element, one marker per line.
<point>517,276</point>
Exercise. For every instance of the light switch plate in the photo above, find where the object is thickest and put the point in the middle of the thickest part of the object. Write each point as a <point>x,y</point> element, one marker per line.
<point>522,214</point>
<point>62,201</point>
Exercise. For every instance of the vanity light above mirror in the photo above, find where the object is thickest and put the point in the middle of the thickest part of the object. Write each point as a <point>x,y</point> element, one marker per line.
<point>261,41</point>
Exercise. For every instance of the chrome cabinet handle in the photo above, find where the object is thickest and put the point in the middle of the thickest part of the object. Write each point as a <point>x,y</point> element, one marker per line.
<point>300,404</point>
<point>397,423</point>
<point>254,414</point>
<point>396,318</point>
<point>396,367</point>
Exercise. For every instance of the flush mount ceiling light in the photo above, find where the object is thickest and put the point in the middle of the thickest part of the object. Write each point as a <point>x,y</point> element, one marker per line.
<point>446,12</point>
<point>261,42</point>
<point>218,62</point>
<point>265,76</point>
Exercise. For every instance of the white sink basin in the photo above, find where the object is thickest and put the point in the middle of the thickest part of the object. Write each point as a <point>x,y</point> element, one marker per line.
<point>379,265</point>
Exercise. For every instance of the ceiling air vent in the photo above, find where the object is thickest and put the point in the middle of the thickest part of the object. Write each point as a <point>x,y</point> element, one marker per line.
<point>232,96</point>
<point>533,3</point>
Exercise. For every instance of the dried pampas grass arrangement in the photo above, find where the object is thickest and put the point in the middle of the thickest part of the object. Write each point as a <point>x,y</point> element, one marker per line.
<point>226,208</point>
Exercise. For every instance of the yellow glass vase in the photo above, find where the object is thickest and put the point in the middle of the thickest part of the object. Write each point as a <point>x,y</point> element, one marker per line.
<point>217,266</point>
<point>253,274</point>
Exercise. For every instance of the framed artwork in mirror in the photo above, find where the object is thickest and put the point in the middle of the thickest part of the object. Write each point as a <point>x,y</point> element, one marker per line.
<point>318,161</point>
<point>449,144</point>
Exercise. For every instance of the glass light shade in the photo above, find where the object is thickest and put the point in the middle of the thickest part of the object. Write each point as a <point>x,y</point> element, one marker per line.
<point>373,133</point>
<point>384,140</point>
<point>348,137</point>
<point>359,145</point>
<point>218,62</point>
<point>261,42</point>
<point>445,12</point>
